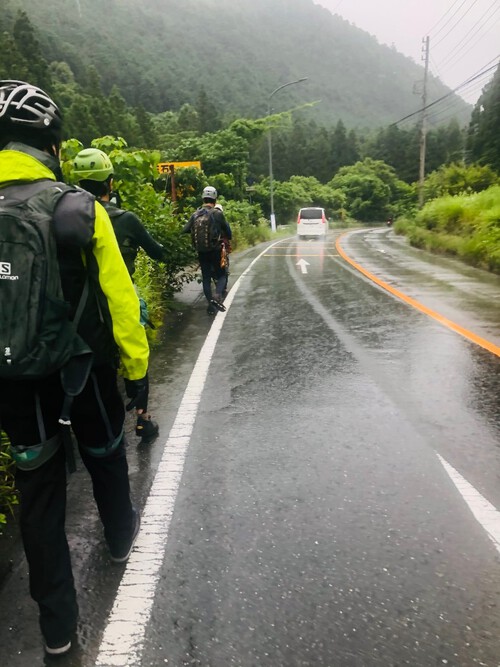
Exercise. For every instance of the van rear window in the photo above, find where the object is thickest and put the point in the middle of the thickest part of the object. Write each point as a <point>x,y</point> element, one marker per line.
<point>311,213</point>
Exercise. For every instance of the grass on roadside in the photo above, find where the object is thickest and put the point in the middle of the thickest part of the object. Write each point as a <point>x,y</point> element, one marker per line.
<point>466,226</point>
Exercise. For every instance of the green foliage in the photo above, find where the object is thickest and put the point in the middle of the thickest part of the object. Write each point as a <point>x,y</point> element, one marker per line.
<point>400,148</point>
<point>302,145</point>
<point>467,226</point>
<point>457,178</point>
<point>8,494</point>
<point>246,222</point>
<point>134,176</point>
<point>299,191</point>
<point>222,152</point>
<point>372,190</point>
<point>168,64</point>
<point>483,141</point>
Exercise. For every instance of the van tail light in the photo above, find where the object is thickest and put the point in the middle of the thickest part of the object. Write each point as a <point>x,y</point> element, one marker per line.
<point>298,218</point>
<point>323,219</point>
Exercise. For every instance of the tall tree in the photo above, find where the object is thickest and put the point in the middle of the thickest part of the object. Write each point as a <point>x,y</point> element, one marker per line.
<point>13,65</point>
<point>344,149</point>
<point>208,114</point>
<point>148,134</point>
<point>483,141</point>
<point>29,47</point>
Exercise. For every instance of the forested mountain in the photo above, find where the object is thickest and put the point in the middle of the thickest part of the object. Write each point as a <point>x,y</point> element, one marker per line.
<point>164,53</point>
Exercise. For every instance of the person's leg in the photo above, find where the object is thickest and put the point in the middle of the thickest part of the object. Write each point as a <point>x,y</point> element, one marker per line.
<point>211,270</point>
<point>42,504</point>
<point>226,272</point>
<point>111,489</point>
<point>205,260</point>
<point>220,274</point>
<point>42,519</point>
<point>98,417</point>
<point>220,285</point>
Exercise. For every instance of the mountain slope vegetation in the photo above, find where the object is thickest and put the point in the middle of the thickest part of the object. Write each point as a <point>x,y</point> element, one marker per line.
<point>162,53</point>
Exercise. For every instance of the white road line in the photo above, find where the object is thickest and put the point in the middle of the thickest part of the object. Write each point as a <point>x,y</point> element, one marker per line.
<point>486,513</point>
<point>123,639</point>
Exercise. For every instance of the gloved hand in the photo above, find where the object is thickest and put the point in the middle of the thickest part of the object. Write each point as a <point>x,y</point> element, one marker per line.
<point>137,391</point>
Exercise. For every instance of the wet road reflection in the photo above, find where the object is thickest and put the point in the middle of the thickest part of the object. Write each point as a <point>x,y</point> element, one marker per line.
<point>314,523</point>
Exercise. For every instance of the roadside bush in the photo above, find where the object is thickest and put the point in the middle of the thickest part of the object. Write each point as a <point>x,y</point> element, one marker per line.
<point>458,179</point>
<point>467,226</point>
<point>8,494</point>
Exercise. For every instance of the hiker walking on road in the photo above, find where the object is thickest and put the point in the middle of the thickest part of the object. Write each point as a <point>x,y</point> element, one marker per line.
<point>94,171</point>
<point>208,226</point>
<point>59,355</point>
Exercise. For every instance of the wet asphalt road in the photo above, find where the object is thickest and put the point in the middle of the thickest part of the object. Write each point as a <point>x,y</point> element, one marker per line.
<point>315,522</point>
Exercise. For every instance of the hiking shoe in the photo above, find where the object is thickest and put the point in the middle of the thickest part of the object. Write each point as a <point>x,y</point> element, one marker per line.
<point>121,550</point>
<point>58,649</point>
<point>217,304</point>
<point>146,429</point>
<point>211,310</point>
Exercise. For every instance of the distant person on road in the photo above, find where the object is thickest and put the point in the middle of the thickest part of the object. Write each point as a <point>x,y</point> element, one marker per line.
<point>208,227</point>
<point>95,280</point>
<point>94,171</point>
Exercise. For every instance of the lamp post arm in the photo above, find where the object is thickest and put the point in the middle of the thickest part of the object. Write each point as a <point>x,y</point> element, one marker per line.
<point>290,83</point>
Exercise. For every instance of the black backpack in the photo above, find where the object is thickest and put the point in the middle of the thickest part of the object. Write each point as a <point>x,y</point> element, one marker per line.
<point>37,336</point>
<point>204,231</point>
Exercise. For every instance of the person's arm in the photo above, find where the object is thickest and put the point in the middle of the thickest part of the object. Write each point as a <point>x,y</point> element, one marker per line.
<point>123,303</point>
<point>187,227</point>
<point>144,239</point>
<point>224,226</point>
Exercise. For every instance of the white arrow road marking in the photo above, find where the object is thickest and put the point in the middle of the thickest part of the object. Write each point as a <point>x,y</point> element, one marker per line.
<point>303,265</point>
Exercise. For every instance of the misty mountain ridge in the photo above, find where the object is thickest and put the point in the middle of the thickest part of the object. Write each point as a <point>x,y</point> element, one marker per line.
<point>162,53</point>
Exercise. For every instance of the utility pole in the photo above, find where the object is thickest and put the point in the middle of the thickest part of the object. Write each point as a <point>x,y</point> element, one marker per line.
<point>423,124</point>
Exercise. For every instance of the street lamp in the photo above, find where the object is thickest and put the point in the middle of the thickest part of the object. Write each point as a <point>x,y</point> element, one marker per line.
<point>269,144</point>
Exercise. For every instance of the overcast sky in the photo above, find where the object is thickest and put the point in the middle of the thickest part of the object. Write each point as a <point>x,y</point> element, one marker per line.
<point>464,34</point>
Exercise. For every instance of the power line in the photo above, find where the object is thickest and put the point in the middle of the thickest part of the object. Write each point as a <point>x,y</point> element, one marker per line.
<point>454,26</point>
<point>469,89</point>
<point>486,19</point>
<point>436,68</point>
<point>450,19</point>
<point>464,53</point>
<point>442,17</point>
<point>476,84</point>
<point>428,106</point>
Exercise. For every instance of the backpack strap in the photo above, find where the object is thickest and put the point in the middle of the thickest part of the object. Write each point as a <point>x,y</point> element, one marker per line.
<point>74,376</point>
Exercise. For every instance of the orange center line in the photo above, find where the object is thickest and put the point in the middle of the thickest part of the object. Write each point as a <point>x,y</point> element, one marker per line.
<point>482,342</point>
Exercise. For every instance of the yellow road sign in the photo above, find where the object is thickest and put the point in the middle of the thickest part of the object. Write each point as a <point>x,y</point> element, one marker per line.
<point>168,166</point>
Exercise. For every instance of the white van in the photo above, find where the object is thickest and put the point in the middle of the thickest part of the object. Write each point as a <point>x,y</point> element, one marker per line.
<point>312,221</point>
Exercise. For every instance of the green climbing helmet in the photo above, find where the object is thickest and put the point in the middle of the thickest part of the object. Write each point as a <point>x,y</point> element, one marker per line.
<point>91,164</point>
